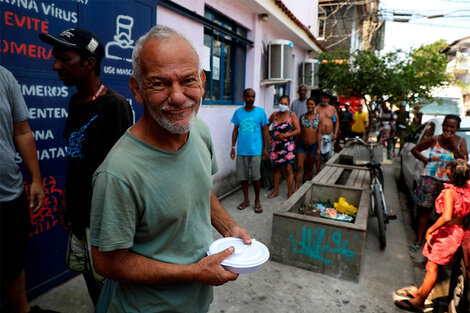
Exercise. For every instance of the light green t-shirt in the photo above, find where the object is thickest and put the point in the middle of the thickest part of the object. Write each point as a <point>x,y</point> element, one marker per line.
<point>157,203</point>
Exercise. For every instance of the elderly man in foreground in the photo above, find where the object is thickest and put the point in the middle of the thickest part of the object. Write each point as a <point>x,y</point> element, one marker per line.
<point>153,200</point>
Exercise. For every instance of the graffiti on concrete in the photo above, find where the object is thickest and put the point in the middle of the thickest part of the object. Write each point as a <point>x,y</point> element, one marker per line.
<point>315,248</point>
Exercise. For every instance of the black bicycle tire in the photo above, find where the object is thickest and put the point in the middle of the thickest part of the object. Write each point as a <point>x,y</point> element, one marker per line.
<point>380,175</point>
<point>384,204</point>
<point>379,213</point>
<point>372,203</point>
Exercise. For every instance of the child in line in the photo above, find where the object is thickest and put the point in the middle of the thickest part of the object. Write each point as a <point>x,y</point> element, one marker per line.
<point>443,238</point>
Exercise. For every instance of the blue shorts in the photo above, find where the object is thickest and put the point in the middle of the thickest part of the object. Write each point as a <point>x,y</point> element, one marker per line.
<point>309,149</point>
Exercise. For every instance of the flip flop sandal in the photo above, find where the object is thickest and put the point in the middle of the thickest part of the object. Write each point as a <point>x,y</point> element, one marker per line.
<point>415,248</point>
<point>404,293</point>
<point>243,205</point>
<point>258,209</point>
<point>428,306</point>
<point>409,306</point>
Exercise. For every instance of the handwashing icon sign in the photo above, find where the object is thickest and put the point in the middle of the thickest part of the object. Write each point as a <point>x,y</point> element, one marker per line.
<point>121,48</point>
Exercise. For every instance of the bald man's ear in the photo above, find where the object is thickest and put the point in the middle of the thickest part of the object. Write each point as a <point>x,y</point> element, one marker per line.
<point>202,75</point>
<point>136,90</point>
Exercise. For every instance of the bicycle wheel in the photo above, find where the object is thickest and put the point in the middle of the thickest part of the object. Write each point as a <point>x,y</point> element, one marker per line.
<point>379,213</point>
<point>380,175</point>
<point>381,197</point>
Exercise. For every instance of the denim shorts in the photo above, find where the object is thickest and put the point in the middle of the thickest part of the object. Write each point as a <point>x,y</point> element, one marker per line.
<point>309,149</point>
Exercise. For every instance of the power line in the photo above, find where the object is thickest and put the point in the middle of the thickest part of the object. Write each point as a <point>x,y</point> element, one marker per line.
<point>412,22</point>
<point>456,1</point>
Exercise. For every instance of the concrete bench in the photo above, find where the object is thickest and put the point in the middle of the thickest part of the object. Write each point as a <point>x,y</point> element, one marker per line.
<point>343,175</point>
<point>345,156</point>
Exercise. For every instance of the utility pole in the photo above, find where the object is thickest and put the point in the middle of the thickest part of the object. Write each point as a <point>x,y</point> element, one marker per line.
<point>370,26</point>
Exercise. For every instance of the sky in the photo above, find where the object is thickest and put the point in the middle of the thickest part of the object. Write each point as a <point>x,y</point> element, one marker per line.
<point>420,30</point>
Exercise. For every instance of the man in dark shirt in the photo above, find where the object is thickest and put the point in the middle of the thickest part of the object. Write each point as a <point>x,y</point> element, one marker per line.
<point>97,117</point>
<point>346,121</point>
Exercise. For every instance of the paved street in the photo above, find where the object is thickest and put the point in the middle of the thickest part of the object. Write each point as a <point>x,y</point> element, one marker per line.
<point>277,287</point>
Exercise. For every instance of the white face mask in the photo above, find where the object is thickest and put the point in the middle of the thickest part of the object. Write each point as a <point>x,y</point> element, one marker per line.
<point>283,108</point>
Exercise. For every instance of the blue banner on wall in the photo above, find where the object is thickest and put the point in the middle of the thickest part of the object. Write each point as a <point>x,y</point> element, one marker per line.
<point>119,24</point>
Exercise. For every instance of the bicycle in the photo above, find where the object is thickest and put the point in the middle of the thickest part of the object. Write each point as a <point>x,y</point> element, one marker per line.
<point>378,206</point>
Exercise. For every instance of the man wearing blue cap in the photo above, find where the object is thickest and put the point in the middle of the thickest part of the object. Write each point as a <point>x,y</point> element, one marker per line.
<point>97,117</point>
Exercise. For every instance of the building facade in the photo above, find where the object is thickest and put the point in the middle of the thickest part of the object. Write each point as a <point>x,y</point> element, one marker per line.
<point>458,53</point>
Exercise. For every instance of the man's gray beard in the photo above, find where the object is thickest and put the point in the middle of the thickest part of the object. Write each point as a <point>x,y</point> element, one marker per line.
<point>170,126</point>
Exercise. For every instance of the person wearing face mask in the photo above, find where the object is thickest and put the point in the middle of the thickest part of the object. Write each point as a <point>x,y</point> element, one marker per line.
<point>284,125</point>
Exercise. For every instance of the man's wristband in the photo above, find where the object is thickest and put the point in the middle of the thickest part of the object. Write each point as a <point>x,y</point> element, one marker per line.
<point>234,147</point>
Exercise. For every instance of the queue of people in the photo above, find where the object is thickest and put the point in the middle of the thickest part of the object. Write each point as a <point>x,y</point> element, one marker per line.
<point>132,249</point>
<point>295,145</point>
<point>444,184</point>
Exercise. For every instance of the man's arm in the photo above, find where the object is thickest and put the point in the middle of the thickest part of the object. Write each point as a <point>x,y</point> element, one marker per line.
<point>319,135</point>
<point>224,224</point>
<point>115,264</point>
<point>234,141</point>
<point>266,138</point>
<point>26,147</point>
<point>335,134</point>
<point>127,266</point>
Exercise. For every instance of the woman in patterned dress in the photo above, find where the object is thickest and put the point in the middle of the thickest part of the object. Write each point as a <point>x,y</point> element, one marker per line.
<point>444,237</point>
<point>444,148</point>
<point>283,126</point>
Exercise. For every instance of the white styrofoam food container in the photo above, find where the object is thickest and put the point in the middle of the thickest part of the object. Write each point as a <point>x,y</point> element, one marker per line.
<point>245,259</point>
